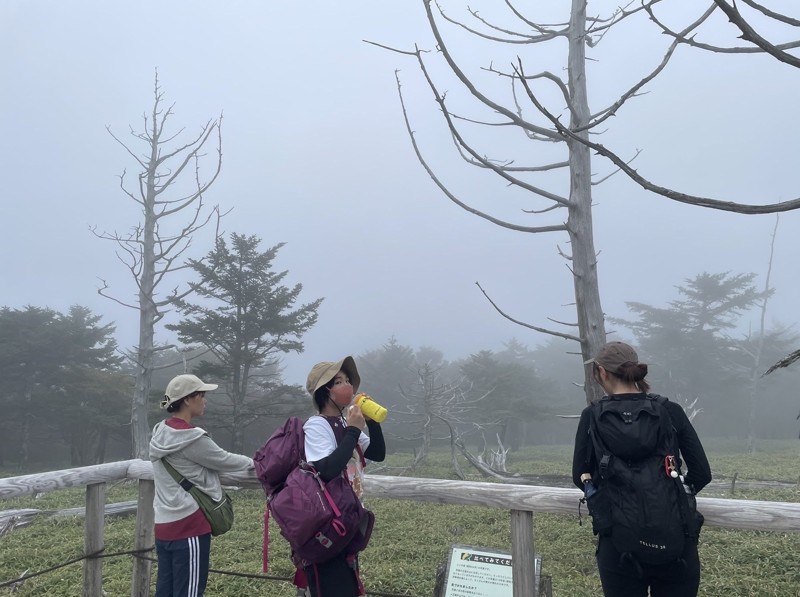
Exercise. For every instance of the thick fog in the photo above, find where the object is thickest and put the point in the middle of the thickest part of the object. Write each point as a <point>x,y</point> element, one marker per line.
<point>316,155</point>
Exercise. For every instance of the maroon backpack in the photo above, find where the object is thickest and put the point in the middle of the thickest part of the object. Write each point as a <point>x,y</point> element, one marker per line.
<point>318,519</point>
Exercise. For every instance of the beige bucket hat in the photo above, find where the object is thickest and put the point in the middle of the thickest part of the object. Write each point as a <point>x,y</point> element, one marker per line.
<point>323,372</point>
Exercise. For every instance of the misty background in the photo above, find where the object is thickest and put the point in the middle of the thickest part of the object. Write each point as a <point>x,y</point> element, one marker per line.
<point>316,155</point>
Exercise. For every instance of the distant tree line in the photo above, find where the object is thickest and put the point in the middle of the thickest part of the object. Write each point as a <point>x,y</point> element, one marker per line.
<point>65,399</point>
<point>64,390</point>
<point>699,347</point>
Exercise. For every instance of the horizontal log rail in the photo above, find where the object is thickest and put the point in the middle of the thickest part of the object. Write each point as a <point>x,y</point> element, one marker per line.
<point>726,513</point>
<point>521,500</point>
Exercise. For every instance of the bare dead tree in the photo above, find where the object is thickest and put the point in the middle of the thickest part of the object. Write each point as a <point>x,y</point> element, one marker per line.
<point>778,51</point>
<point>562,126</point>
<point>428,403</point>
<point>431,404</point>
<point>172,212</point>
<point>497,457</point>
<point>754,44</point>
<point>757,352</point>
<point>690,406</point>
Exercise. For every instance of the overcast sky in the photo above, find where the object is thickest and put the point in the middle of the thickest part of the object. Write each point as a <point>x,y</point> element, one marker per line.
<point>316,155</point>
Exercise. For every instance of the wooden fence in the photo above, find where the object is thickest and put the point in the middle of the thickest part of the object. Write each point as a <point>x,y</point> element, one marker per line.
<point>521,500</point>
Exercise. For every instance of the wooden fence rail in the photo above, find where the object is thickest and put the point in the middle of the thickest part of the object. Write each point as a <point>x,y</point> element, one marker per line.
<point>521,500</point>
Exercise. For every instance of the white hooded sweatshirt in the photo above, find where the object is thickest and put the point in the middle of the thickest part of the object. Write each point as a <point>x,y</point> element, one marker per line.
<point>195,456</point>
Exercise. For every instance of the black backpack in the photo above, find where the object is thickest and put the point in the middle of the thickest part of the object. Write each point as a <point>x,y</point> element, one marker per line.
<point>647,512</point>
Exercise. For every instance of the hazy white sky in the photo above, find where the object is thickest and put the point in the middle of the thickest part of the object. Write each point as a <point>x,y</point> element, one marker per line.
<point>316,154</point>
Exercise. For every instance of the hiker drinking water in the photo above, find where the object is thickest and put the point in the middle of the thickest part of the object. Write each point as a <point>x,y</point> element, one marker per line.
<point>629,449</point>
<point>182,530</point>
<point>335,443</point>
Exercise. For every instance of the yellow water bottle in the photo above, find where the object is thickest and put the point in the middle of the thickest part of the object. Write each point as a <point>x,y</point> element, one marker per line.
<point>370,408</point>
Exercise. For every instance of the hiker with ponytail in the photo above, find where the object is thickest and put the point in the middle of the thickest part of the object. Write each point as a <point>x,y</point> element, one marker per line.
<point>629,450</point>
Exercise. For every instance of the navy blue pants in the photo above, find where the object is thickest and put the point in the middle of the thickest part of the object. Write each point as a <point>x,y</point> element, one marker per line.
<point>621,578</point>
<point>183,566</point>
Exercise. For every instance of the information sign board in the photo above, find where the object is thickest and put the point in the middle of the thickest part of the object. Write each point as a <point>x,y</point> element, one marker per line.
<point>482,572</point>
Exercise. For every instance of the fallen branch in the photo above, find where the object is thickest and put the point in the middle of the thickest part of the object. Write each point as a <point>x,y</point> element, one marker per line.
<point>22,517</point>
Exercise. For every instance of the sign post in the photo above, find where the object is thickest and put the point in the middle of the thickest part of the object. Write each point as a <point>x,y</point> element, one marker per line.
<point>482,572</point>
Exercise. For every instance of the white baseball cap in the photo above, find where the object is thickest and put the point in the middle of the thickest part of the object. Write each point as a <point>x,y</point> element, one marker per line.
<point>183,385</point>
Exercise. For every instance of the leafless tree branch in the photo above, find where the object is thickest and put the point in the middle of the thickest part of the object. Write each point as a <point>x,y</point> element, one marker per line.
<point>526,39</point>
<point>542,211</point>
<point>543,29</point>
<point>506,165</point>
<point>605,178</point>
<point>450,195</point>
<point>101,291</point>
<point>486,163</point>
<point>602,25</point>
<point>771,14</point>
<point>573,325</point>
<point>473,90</point>
<point>527,325</point>
<point>713,48</point>
<point>750,34</point>
<point>732,206</point>
<point>633,91</point>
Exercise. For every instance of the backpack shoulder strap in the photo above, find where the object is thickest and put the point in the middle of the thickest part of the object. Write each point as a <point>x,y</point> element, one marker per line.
<point>669,427</point>
<point>361,455</point>
<point>180,479</point>
<point>601,454</point>
<point>662,401</point>
<point>358,446</point>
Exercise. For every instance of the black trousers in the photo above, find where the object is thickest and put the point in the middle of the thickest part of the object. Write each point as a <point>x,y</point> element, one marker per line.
<point>334,578</point>
<point>621,578</point>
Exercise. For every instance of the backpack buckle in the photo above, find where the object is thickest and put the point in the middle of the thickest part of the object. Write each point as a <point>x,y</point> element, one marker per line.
<point>604,465</point>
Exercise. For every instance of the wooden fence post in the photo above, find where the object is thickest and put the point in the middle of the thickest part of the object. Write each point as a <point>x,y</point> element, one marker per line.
<point>94,541</point>
<point>522,553</point>
<point>140,585</point>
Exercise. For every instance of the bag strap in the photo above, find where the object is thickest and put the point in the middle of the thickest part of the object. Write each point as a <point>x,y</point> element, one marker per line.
<point>358,446</point>
<point>601,454</point>
<point>683,501</point>
<point>361,455</point>
<point>181,480</point>
<point>668,427</point>
<point>310,470</point>
<point>265,547</point>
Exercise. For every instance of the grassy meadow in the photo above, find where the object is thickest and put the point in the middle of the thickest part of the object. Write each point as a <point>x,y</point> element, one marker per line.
<point>412,539</point>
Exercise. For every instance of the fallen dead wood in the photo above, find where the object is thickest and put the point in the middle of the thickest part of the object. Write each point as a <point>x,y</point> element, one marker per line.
<point>21,517</point>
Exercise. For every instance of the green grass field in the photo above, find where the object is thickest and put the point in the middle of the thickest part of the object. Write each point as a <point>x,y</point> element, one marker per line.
<point>411,539</point>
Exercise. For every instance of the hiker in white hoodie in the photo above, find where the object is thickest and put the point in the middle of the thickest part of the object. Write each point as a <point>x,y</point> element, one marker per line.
<point>183,534</point>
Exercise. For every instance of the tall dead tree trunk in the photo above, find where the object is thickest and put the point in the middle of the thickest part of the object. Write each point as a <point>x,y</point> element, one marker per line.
<point>579,225</point>
<point>425,446</point>
<point>536,38</point>
<point>145,353</point>
<point>152,252</point>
